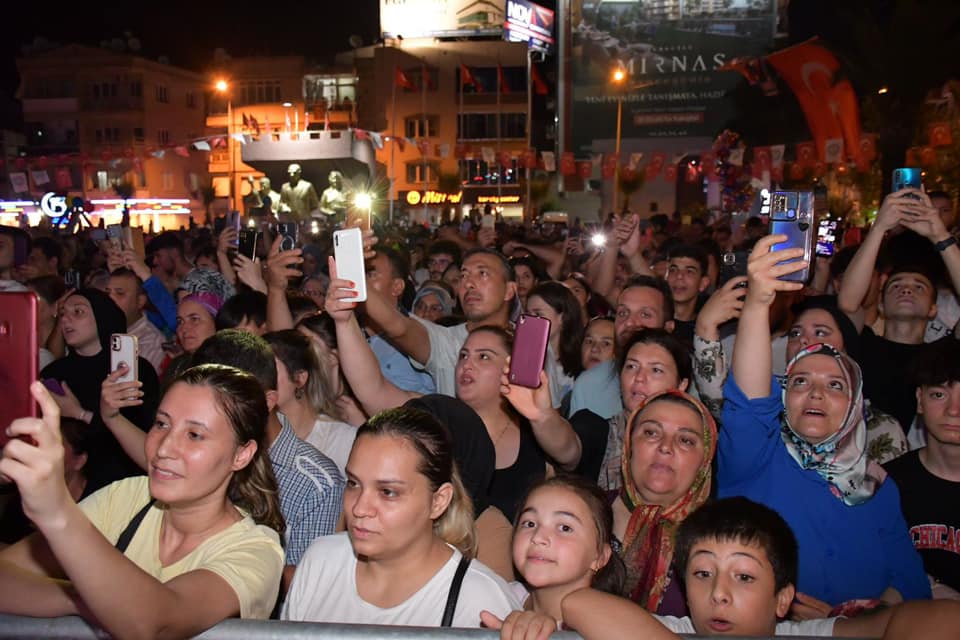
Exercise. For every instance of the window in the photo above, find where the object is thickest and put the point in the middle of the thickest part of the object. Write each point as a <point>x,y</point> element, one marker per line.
<point>421,173</point>
<point>416,75</point>
<point>161,92</point>
<point>478,172</point>
<point>138,134</point>
<point>107,135</point>
<point>103,181</point>
<point>104,90</point>
<point>259,91</point>
<point>483,126</point>
<point>136,88</point>
<point>421,126</point>
<point>191,100</point>
<point>163,136</point>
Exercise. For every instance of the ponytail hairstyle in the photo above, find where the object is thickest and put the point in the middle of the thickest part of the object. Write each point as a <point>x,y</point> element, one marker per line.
<point>612,576</point>
<point>239,396</point>
<point>432,442</point>
<point>294,350</point>
<point>321,328</point>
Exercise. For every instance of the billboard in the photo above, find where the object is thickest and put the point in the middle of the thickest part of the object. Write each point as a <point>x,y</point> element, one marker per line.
<point>672,51</point>
<point>441,18</point>
<point>530,23</point>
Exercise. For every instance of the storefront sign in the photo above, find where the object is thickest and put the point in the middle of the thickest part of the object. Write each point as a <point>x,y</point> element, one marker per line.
<point>415,198</point>
<point>530,23</point>
<point>504,199</point>
<point>431,18</point>
<point>53,205</point>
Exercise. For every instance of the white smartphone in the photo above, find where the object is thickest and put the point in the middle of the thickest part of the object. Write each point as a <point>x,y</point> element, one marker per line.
<point>348,252</point>
<point>125,349</point>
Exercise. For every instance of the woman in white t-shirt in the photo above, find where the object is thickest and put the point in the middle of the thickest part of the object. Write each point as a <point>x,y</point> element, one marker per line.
<point>409,532</point>
<point>303,398</point>
<point>166,555</point>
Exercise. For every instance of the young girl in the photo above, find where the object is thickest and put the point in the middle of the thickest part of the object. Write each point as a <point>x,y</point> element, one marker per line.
<point>562,543</point>
<point>409,533</point>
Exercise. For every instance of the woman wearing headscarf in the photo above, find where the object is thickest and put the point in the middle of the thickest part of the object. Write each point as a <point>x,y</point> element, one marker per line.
<point>801,449</point>
<point>88,320</point>
<point>668,449</point>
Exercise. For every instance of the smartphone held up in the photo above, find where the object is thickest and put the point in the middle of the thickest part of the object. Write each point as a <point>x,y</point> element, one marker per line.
<point>791,214</point>
<point>529,351</point>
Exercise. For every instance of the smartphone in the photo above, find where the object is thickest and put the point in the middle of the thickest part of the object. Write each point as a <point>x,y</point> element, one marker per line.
<point>219,224</point>
<point>529,351</point>
<point>289,233</point>
<point>124,349</point>
<point>826,238</point>
<point>488,221</point>
<point>348,252</point>
<point>907,177</point>
<point>115,236</point>
<point>732,265</point>
<point>71,278</point>
<point>247,243</point>
<point>791,214</point>
<point>97,234</point>
<point>53,386</point>
<point>20,361</point>
<point>133,239</point>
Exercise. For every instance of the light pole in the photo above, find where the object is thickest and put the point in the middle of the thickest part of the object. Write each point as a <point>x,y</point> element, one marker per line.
<point>223,88</point>
<point>618,78</point>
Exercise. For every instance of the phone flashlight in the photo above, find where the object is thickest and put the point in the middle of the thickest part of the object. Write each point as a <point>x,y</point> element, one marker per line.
<point>598,239</point>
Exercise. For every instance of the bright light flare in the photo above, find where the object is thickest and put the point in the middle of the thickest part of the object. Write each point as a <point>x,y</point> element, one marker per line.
<point>222,86</point>
<point>598,240</point>
<point>363,201</point>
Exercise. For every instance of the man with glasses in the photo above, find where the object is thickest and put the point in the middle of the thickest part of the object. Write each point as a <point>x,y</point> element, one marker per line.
<point>441,255</point>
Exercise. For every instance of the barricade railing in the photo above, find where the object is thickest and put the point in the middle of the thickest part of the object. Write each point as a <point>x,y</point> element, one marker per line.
<point>74,628</point>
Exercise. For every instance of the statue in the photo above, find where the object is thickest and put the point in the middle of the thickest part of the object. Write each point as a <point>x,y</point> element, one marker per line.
<point>297,196</point>
<point>263,202</point>
<point>333,202</point>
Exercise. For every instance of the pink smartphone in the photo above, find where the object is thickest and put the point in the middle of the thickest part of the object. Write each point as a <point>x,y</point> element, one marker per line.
<point>18,366</point>
<point>529,351</point>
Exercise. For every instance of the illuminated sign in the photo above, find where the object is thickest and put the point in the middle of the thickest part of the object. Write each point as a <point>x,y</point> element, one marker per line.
<point>52,205</point>
<point>498,199</point>
<point>431,18</point>
<point>530,23</point>
<point>415,198</point>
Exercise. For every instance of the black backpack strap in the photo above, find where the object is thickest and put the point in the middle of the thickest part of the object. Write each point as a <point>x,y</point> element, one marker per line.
<point>124,540</point>
<point>454,594</point>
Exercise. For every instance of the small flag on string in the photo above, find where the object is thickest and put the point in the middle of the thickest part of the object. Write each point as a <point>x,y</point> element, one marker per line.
<point>201,145</point>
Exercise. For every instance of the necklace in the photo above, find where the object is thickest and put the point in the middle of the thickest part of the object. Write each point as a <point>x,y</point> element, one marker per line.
<point>506,425</point>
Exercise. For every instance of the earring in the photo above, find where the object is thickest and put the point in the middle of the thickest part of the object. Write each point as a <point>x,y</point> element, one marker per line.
<point>298,393</point>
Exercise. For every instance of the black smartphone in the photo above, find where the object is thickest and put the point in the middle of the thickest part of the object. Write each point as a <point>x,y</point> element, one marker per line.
<point>248,243</point>
<point>732,265</point>
<point>219,224</point>
<point>791,214</point>
<point>289,233</point>
<point>71,278</point>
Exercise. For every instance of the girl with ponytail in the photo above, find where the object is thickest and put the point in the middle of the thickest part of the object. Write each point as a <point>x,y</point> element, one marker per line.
<point>168,554</point>
<point>409,535</point>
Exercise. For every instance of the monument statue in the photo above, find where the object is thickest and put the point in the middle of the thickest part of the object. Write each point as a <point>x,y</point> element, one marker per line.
<point>298,198</point>
<point>265,201</point>
<point>333,202</point>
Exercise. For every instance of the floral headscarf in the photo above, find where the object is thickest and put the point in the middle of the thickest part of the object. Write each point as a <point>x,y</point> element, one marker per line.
<point>649,541</point>
<point>842,458</point>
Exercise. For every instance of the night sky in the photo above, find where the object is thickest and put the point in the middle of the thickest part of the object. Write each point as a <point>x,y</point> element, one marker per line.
<point>188,32</point>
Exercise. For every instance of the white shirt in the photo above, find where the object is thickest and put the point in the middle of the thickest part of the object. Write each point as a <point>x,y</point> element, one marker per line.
<point>324,589</point>
<point>333,439</point>
<point>822,627</point>
<point>149,342</point>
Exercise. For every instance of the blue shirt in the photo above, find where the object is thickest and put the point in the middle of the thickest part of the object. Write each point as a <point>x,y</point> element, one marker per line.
<point>846,552</point>
<point>311,491</point>
<point>397,368</point>
<point>598,389</point>
<point>166,317</point>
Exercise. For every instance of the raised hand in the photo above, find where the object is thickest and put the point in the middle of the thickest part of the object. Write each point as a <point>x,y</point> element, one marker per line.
<point>339,303</point>
<point>725,304</point>
<point>250,273</point>
<point>115,396</point>
<point>763,270</point>
<point>520,625</point>
<point>282,265</point>
<point>532,404</point>
<point>36,466</point>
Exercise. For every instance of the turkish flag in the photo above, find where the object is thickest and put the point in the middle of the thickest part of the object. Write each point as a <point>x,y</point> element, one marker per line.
<point>400,142</point>
<point>868,147</point>
<point>806,154</point>
<point>467,77</point>
<point>609,167</point>
<point>708,164</point>
<point>847,109</point>
<point>530,159</point>
<point>762,162</point>
<point>63,178</point>
<point>796,171</point>
<point>913,157</point>
<point>656,161</point>
<point>568,165</point>
<point>584,169</point>
<point>651,172</point>
<point>502,84</point>
<point>940,134</point>
<point>424,146</point>
<point>809,70</point>
<point>539,85</point>
<point>776,174</point>
<point>505,158</point>
<point>928,156</point>
<point>401,80</point>
<point>670,173</point>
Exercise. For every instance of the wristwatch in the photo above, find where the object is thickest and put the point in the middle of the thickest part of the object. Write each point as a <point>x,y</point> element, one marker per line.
<point>943,244</point>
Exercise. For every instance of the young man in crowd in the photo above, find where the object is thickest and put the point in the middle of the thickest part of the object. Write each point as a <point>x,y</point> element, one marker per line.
<point>645,302</point>
<point>45,259</point>
<point>126,289</point>
<point>929,478</point>
<point>908,301</point>
<point>687,277</point>
<point>440,255</point>
<point>9,237</point>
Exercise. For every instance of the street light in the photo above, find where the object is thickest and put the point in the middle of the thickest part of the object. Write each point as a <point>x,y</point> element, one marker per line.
<point>223,88</point>
<point>618,78</point>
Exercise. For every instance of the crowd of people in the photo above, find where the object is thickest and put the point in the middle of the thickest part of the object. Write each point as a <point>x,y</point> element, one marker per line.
<point>707,451</point>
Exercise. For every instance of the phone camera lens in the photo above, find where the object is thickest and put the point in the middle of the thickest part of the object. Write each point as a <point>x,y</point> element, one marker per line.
<point>791,214</point>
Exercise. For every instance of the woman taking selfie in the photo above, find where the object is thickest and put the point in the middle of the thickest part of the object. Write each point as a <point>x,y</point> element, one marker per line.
<point>409,531</point>
<point>801,449</point>
<point>164,555</point>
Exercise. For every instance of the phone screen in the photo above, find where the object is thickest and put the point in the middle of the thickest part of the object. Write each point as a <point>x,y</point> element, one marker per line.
<point>826,238</point>
<point>907,177</point>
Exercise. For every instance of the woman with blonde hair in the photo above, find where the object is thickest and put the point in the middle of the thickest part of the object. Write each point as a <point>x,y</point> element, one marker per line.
<point>406,557</point>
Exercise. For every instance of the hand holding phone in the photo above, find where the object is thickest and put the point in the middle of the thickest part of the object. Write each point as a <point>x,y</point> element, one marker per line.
<point>529,351</point>
<point>791,214</point>
<point>289,233</point>
<point>348,253</point>
<point>124,351</point>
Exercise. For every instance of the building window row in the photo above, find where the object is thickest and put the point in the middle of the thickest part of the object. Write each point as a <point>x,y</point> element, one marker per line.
<point>260,91</point>
<point>161,93</point>
<point>483,126</point>
<point>479,173</point>
<point>421,126</point>
<point>421,173</point>
<point>107,135</point>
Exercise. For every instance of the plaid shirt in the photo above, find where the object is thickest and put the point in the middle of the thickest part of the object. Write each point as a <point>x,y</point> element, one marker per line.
<point>311,490</point>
